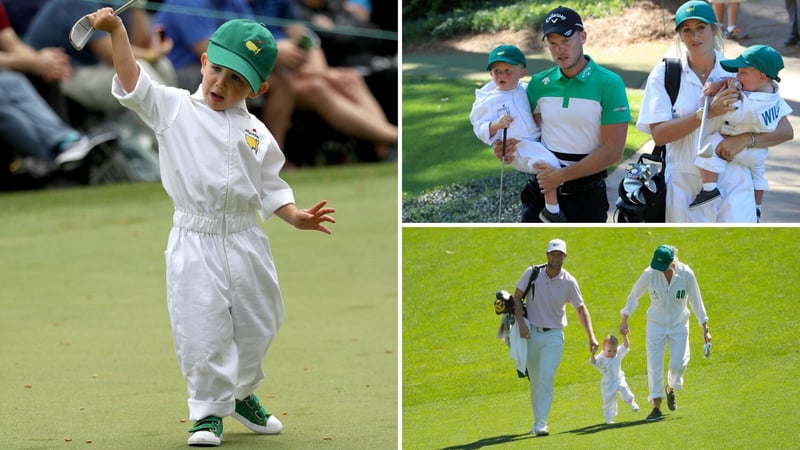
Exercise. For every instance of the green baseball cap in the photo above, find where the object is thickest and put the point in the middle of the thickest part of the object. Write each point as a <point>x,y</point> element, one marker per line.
<point>761,57</point>
<point>245,47</point>
<point>662,258</point>
<point>507,54</point>
<point>697,10</point>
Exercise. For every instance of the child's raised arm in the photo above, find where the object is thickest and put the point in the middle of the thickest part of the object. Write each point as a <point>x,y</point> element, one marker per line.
<point>124,62</point>
<point>625,340</point>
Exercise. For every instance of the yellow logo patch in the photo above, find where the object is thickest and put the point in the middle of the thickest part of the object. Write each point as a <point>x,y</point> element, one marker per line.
<point>252,139</point>
<point>252,47</point>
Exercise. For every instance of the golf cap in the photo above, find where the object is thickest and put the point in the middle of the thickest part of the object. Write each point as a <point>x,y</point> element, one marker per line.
<point>245,47</point>
<point>557,245</point>
<point>508,54</point>
<point>563,21</point>
<point>696,10</point>
<point>761,57</point>
<point>662,258</point>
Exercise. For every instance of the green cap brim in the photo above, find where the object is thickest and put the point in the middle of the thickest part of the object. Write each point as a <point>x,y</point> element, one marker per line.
<point>229,60</point>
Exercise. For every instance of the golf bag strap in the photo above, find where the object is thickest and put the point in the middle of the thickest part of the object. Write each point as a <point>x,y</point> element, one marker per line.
<point>534,274</point>
<point>672,83</point>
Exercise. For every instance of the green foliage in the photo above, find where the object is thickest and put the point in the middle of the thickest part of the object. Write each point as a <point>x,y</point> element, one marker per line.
<point>423,19</point>
<point>459,386</point>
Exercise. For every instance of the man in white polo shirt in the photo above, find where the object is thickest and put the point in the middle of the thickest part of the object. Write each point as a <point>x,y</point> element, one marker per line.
<point>545,310</point>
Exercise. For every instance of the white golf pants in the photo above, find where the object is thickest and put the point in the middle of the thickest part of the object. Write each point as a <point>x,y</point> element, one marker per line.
<point>225,307</point>
<point>610,398</point>
<point>658,337</point>
<point>544,356</point>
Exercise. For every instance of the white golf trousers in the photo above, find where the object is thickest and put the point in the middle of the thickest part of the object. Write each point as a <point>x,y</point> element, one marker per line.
<point>610,398</point>
<point>544,356</point>
<point>225,307</point>
<point>658,337</point>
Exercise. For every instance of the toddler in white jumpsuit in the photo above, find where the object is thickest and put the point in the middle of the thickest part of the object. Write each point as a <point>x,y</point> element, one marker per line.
<point>502,106</point>
<point>220,166</point>
<point>609,363</point>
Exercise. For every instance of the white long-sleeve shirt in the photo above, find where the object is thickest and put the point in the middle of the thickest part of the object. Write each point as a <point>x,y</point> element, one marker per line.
<point>668,301</point>
<point>756,112</point>
<point>491,103</point>
<point>611,369</point>
<point>214,164</point>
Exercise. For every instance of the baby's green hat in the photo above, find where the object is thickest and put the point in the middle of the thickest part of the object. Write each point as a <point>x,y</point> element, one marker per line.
<point>762,57</point>
<point>507,54</point>
<point>245,47</point>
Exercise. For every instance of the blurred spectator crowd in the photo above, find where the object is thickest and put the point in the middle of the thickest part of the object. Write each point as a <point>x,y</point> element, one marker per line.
<point>333,96</point>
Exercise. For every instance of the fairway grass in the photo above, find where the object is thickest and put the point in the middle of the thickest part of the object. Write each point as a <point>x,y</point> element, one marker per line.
<point>459,386</point>
<point>87,351</point>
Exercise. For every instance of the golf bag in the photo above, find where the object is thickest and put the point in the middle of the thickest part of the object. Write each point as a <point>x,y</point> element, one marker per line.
<point>504,304</point>
<point>643,190</point>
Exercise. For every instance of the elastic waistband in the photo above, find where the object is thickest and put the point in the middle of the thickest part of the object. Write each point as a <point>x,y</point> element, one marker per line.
<point>213,225</point>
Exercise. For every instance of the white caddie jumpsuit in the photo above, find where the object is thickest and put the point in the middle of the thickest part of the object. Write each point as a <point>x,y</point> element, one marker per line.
<point>225,305</point>
<point>667,323</point>
<point>613,381</point>
<point>491,103</point>
<point>682,175</point>
<point>756,112</point>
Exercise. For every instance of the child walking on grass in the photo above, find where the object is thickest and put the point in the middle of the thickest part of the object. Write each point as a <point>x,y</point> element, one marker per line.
<point>609,363</point>
<point>220,166</point>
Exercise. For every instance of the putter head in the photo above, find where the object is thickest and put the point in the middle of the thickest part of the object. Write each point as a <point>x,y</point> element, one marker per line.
<point>80,33</point>
<point>705,151</point>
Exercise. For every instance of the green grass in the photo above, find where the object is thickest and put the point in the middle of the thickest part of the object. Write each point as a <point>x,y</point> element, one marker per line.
<point>439,147</point>
<point>459,386</point>
<point>87,351</point>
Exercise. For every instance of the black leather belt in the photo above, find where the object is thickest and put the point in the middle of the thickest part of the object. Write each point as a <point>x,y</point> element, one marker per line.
<point>585,184</point>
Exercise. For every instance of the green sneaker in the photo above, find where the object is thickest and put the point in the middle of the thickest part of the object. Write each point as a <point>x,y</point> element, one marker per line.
<point>206,432</point>
<point>252,415</point>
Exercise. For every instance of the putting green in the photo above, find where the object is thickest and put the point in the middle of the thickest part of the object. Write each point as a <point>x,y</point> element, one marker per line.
<point>86,346</point>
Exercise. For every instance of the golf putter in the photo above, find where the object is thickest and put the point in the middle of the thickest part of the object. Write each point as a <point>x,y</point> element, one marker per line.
<point>83,30</point>
<point>502,171</point>
<point>704,151</point>
<point>503,110</point>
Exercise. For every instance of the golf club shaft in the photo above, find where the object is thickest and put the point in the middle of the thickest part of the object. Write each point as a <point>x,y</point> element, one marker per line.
<point>502,172</point>
<point>124,7</point>
<point>703,122</point>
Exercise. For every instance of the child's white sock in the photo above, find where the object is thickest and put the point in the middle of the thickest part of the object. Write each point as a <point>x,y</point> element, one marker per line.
<point>552,208</point>
<point>731,28</point>
<point>709,186</point>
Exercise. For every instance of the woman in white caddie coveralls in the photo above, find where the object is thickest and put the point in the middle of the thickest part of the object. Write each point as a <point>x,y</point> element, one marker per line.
<point>671,285</point>
<point>678,125</point>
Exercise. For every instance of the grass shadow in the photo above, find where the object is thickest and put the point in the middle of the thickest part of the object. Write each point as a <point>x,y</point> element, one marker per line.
<point>592,429</point>
<point>486,442</point>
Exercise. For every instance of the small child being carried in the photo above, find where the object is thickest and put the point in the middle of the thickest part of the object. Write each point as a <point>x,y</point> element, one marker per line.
<point>609,363</point>
<point>759,110</point>
<point>502,106</point>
